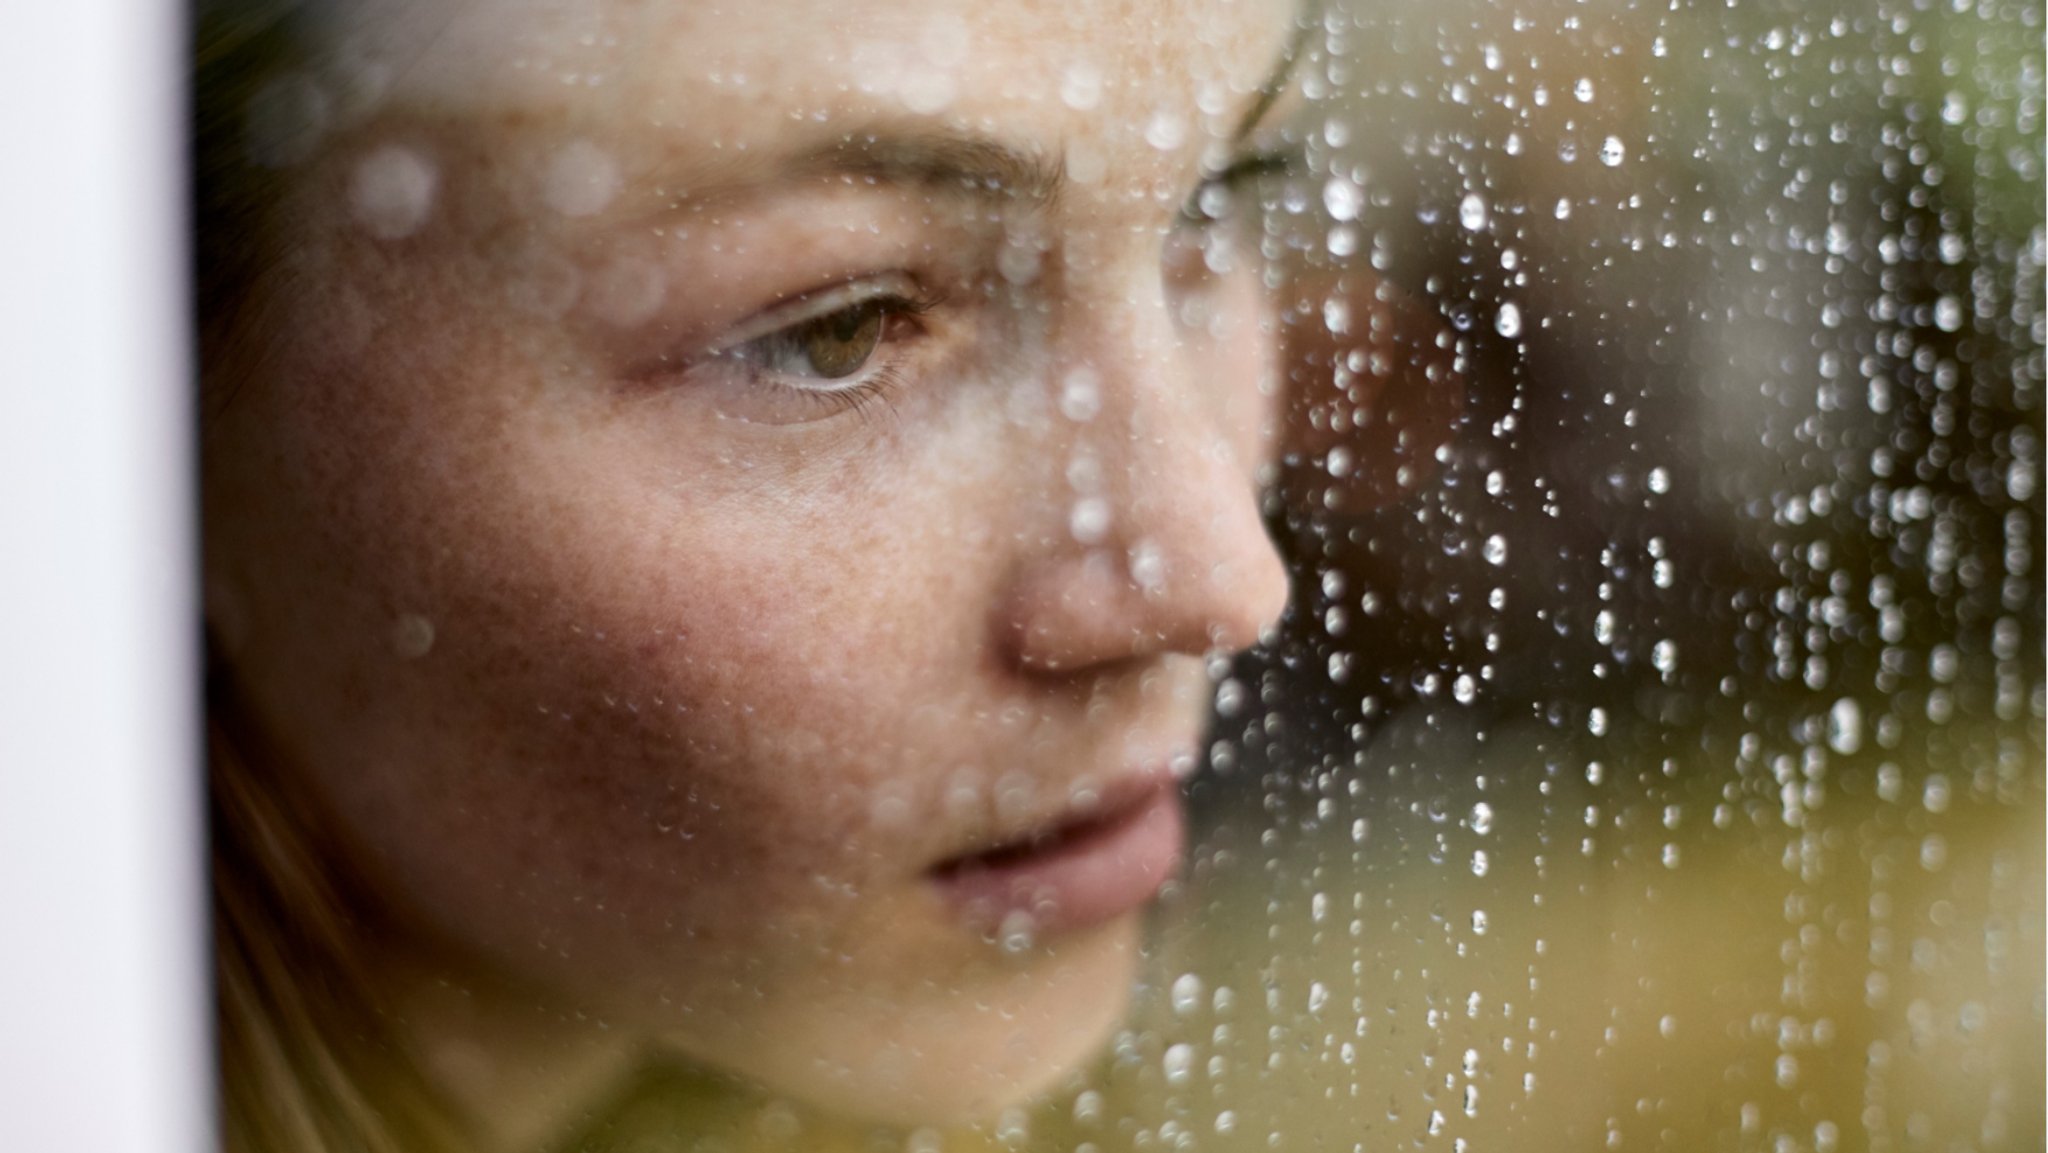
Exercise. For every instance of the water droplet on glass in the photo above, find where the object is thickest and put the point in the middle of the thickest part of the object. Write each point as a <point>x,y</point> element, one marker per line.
<point>1472,212</point>
<point>1664,656</point>
<point>1342,199</point>
<point>1167,130</point>
<point>1508,322</point>
<point>1933,852</point>
<point>1934,794</point>
<point>1948,314</point>
<point>1080,396</point>
<point>1088,1107</point>
<point>1148,567</point>
<point>1186,994</point>
<point>391,191</point>
<point>1613,151</point>
<point>1089,520</point>
<point>1018,931</point>
<point>1179,1059</point>
<point>1845,726</point>
<point>412,636</point>
<point>1081,86</point>
<point>1230,697</point>
<point>581,179</point>
<point>1495,550</point>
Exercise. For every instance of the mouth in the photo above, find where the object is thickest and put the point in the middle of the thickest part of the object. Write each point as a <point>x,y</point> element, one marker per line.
<point>1073,873</point>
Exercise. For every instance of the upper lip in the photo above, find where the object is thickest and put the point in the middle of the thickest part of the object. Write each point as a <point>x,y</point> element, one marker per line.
<point>1119,799</point>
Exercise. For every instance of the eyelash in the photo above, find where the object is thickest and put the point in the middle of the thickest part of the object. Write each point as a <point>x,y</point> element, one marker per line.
<point>1242,171</point>
<point>880,384</point>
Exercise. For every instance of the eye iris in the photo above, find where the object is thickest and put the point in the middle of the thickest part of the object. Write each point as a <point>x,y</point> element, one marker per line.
<point>839,344</point>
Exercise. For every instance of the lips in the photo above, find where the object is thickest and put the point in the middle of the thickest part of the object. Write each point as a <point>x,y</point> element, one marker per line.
<point>1083,870</point>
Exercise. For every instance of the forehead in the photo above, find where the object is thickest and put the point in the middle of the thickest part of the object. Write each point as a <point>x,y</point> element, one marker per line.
<point>731,73</point>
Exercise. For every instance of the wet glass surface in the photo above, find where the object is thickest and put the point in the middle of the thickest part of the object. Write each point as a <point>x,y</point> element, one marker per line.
<point>1650,753</point>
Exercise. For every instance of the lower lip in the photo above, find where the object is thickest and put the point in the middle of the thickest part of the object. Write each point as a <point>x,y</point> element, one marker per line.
<point>1097,875</point>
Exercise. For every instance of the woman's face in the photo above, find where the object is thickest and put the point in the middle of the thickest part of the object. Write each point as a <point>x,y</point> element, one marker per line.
<point>705,479</point>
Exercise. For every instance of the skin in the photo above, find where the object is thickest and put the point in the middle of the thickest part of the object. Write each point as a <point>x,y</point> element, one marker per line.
<point>643,688</point>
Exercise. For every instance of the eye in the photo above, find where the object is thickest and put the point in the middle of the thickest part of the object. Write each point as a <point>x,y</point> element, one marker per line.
<point>849,347</point>
<point>831,347</point>
<point>831,336</point>
<point>1217,196</point>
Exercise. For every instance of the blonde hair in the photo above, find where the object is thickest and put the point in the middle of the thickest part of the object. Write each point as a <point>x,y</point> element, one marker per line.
<point>307,1062</point>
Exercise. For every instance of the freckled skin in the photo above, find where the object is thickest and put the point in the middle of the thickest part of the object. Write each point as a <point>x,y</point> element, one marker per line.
<point>679,660</point>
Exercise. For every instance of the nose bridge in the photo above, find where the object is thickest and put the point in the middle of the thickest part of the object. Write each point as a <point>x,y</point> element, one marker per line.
<point>1167,464</point>
<point>1169,550</point>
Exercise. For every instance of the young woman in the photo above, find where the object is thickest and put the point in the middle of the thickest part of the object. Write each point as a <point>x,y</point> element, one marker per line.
<point>721,526</point>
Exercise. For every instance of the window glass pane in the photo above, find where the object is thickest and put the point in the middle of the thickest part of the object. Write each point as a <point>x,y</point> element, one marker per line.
<point>1163,576</point>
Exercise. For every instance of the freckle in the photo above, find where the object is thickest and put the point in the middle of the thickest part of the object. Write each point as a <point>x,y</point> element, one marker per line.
<point>412,636</point>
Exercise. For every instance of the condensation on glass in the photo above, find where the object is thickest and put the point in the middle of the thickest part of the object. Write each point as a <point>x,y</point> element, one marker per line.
<point>1651,755</point>
<point>1655,760</point>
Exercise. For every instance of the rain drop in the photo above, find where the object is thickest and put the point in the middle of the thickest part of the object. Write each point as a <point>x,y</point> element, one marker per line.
<point>1089,520</point>
<point>412,637</point>
<point>1178,1061</point>
<point>1472,212</point>
<point>1845,726</point>
<point>1342,199</point>
<point>391,191</point>
<point>1081,86</point>
<point>581,179</point>
<point>1167,130</point>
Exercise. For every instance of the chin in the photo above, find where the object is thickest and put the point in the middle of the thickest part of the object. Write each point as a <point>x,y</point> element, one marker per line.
<point>954,1053</point>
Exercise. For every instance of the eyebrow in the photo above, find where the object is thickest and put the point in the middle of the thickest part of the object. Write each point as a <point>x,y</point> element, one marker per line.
<point>971,164</point>
<point>941,160</point>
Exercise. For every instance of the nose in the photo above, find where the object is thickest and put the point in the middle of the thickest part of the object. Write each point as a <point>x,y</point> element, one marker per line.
<point>1161,547</point>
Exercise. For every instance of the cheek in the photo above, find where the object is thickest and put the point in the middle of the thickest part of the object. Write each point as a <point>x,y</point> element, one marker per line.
<point>652,723</point>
